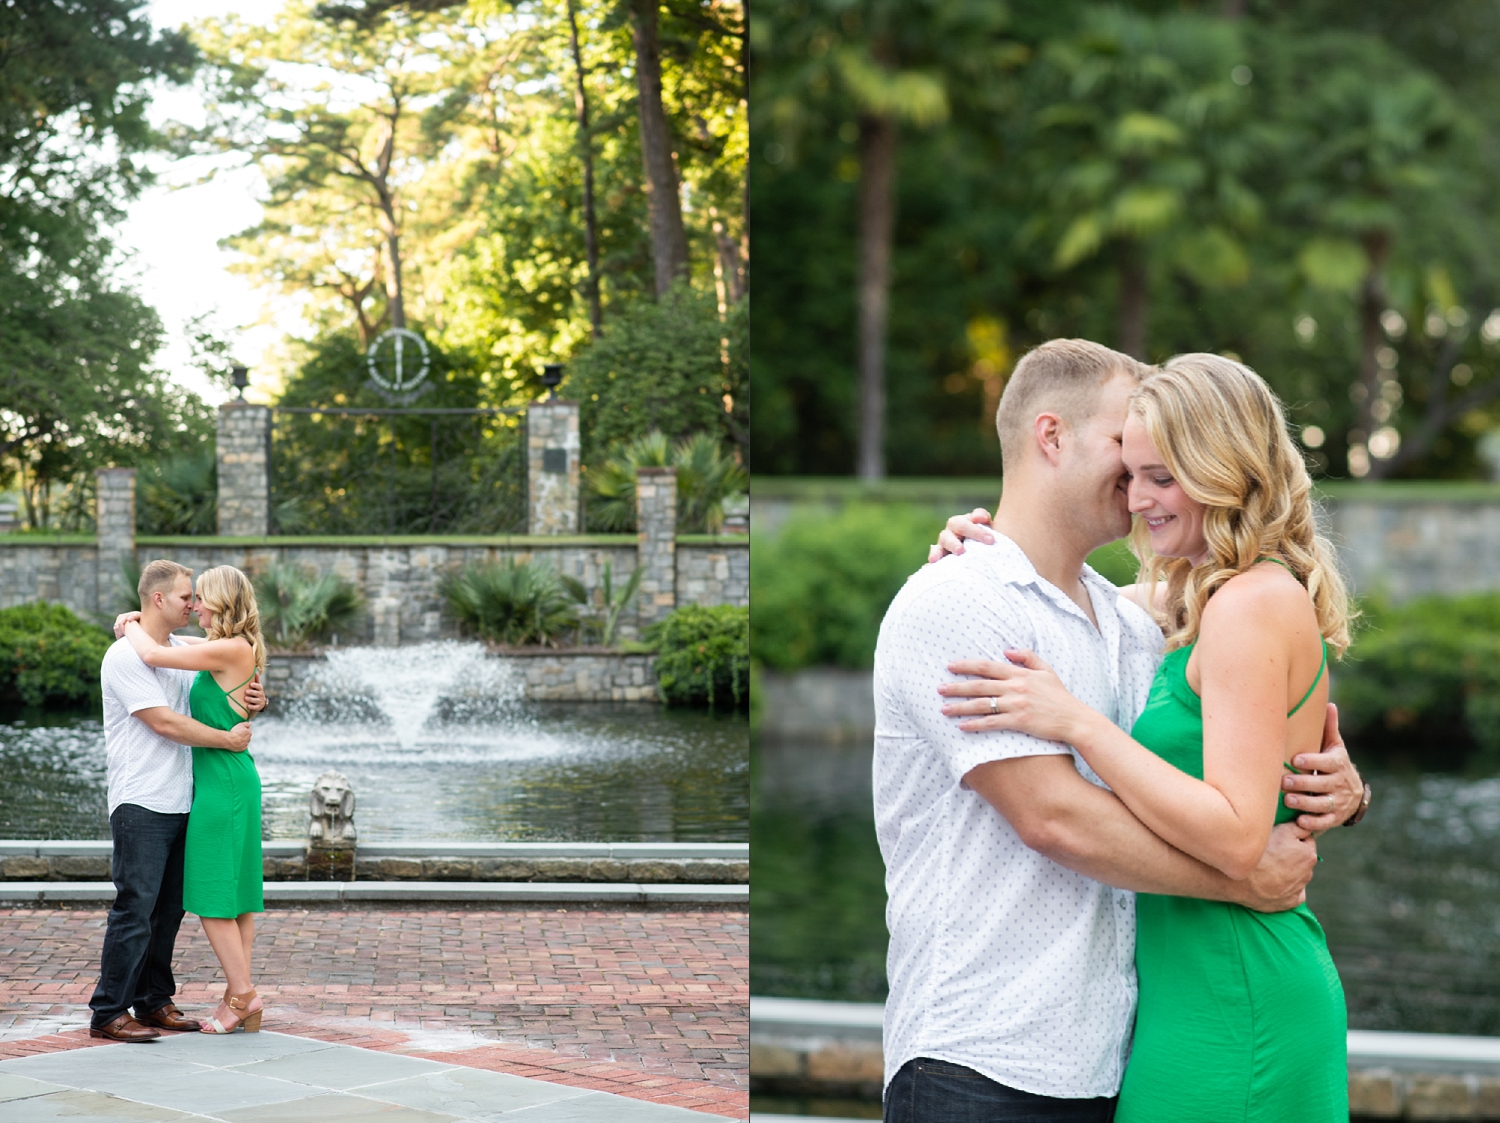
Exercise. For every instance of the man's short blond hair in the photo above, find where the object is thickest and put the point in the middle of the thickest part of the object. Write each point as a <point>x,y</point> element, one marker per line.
<point>1061,376</point>
<point>158,577</point>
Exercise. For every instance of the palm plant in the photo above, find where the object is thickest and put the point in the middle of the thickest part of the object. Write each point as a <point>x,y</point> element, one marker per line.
<point>298,606</point>
<point>615,600</point>
<point>514,602</point>
<point>179,495</point>
<point>706,476</point>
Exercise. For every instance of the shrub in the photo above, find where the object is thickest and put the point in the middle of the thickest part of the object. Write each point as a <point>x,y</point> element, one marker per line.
<point>178,495</point>
<point>707,475</point>
<point>703,657</point>
<point>298,605</point>
<point>661,365</point>
<point>819,588</point>
<point>514,602</point>
<point>1424,678</point>
<point>49,657</point>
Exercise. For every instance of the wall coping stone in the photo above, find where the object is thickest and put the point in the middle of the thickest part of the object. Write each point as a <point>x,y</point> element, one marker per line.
<point>301,892</point>
<point>39,848</point>
<point>527,541</point>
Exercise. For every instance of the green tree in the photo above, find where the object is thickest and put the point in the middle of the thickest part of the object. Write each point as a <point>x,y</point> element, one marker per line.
<point>892,62</point>
<point>663,367</point>
<point>77,391</point>
<point>1141,145</point>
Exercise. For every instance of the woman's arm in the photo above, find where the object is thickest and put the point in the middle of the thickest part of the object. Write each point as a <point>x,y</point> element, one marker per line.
<point>213,655</point>
<point>1223,820</point>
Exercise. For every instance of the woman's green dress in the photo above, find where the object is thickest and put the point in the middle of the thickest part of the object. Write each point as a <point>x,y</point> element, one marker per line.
<point>222,872</point>
<point>1241,1014</point>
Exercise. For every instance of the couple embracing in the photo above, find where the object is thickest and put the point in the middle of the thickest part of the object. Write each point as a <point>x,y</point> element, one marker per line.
<point>1096,853</point>
<point>184,799</point>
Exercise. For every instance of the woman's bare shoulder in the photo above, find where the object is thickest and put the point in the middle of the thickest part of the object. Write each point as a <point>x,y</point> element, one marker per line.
<point>1263,597</point>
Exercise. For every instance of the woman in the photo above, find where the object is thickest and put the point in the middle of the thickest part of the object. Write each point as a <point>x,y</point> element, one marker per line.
<point>222,860</point>
<point>1241,1015</point>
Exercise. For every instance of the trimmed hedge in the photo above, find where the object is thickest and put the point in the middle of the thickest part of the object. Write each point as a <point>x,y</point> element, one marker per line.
<point>819,587</point>
<point>1422,680</point>
<point>49,657</point>
<point>703,657</point>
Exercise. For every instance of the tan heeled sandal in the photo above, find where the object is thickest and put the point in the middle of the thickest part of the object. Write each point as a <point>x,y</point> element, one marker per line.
<point>249,1021</point>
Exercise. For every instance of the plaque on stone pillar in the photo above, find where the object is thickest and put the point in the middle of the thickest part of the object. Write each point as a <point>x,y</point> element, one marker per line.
<point>555,460</point>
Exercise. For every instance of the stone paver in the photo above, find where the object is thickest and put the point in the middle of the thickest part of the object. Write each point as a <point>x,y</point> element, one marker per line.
<point>185,1077</point>
<point>651,1005</point>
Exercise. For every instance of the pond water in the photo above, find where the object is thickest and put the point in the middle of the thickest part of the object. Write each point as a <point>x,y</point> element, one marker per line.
<point>437,745</point>
<point>1410,899</point>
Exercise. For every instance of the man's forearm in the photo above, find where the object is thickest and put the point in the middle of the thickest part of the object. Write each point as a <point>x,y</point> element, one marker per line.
<point>1096,835</point>
<point>1087,829</point>
<point>189,731</point>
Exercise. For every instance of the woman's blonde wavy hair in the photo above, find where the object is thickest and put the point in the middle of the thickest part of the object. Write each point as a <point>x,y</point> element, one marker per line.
<point>231,597</point>
<point>1222,434</point>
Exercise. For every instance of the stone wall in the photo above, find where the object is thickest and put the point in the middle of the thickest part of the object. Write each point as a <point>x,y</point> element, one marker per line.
<point>713,574</point>
<point>646,863</point>
<point>244,464</point>
<point>62,573</point>
<point>656,520</point>
<point>1401,539</point>
<point>546,676</point>
<point>400,580</point>
<point>552,467</point>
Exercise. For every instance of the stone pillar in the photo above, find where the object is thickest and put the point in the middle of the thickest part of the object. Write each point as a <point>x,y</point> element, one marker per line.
<point>244,470</point>
<point>552,467</point>
<point>656,524</point>
<point>115,517</point>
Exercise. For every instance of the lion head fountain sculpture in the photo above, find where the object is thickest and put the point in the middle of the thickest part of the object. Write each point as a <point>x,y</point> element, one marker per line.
<point>332,808</point>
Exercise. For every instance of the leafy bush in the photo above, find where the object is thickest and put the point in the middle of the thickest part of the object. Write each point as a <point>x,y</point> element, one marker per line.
<point>49,657</point>
<point>819,588</point>
<point>298,605</point>
<point>703,657</point>
<point>1423,679</point>
<point>707,475</point>
<point>663,365</point>
<point>178,495</point>
<point>515,602</point>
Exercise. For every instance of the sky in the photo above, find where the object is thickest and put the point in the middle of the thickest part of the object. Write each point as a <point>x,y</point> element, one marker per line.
<point>171,233</point>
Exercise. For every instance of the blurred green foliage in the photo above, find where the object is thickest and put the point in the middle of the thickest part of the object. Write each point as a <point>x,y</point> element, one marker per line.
<point>178,494</point>
<point>703,657</point>
<point>49,657</point>
<point>1306,186</point>
<point>1421,683</point>
<point>820,586</point>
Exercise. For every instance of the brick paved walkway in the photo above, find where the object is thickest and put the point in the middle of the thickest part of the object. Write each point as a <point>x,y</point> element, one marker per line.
<point>652,1005</point>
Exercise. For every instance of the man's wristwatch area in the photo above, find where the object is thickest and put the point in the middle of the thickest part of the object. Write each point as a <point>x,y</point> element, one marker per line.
<point>1364,805</point>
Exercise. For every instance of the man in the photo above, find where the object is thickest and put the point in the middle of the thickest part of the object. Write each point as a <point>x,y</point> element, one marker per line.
<point>1009,866</point>
<point>147,734</point>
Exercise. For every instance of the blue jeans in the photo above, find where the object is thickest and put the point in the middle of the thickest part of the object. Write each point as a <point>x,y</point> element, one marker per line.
<point>929,1091</point>
<point>136,967</point>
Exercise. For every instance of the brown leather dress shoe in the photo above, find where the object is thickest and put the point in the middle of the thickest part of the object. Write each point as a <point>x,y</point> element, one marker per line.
<point>126,1028</point>
<point>169,1017</point>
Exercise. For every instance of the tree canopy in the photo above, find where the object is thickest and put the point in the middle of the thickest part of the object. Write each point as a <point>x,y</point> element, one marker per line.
<point>1302,187</point>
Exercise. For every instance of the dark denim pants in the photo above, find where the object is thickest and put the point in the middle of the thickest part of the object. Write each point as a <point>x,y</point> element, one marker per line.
<point>929,1091</point>
<point>136,967</point>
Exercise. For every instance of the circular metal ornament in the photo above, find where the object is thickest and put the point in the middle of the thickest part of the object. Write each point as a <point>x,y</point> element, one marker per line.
<point>398,360</point>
